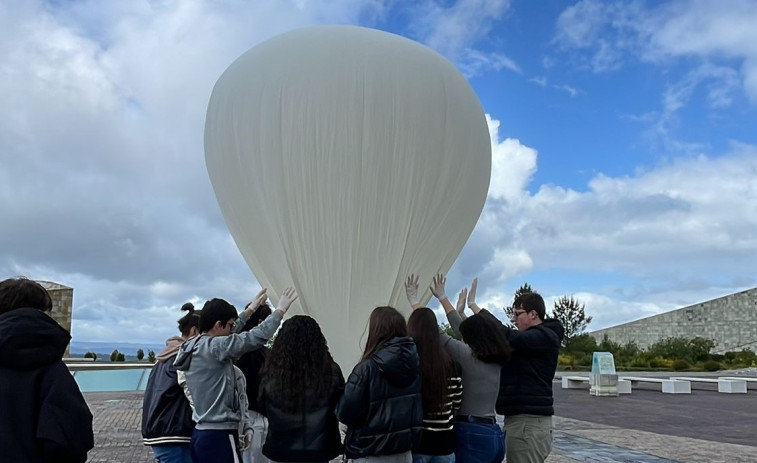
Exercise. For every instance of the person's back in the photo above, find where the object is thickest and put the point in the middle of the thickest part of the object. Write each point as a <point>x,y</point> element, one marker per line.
<point>382,404</point>
<point>43,415</point>
<point>301,385</point>
<point>166,413</point>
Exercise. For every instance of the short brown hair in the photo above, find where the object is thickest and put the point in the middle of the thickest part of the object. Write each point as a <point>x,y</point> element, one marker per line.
<point>17,293</point>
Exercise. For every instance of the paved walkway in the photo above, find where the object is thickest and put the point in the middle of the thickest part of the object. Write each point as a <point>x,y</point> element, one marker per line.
<point>645,427</point>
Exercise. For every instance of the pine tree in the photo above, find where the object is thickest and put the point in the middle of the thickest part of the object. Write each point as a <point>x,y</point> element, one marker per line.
<point>524,289</point>
<point>140,354</point>
<point>571,313</point>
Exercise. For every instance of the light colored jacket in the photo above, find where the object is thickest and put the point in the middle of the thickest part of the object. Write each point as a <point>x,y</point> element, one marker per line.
<point>207,364</point>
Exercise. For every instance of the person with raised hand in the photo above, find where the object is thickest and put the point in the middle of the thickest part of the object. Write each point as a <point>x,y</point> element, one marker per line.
<point>441,383</point>
<point>212,381</point>
<point>480,355</point>
<point>525,391</point>
<point>382,405</point>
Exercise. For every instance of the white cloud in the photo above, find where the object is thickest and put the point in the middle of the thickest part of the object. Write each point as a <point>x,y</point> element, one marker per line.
<point>455,30</point>
<point>721,34</point>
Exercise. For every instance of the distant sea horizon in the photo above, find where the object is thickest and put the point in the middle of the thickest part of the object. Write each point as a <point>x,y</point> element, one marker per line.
<point>106,347</point>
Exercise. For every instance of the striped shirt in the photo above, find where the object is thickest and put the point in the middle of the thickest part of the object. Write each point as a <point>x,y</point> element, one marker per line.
<point>437,434</point>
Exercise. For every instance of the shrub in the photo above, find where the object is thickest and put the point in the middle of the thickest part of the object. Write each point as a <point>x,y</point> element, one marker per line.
<point>659,362</point>
<point>114,355</point>
<point>565,360</point>
<point>639,362</point>
<point>680,364</point>
<point>140,354</point>
<point>580,343</point>
<point>151,356</point>
<point>711,365</point>
<point>91,355</point>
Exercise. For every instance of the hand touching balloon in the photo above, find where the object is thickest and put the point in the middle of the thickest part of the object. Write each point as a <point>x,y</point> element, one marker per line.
<point>437,286</point>
<point>411,290</point>
<point>287,297</point>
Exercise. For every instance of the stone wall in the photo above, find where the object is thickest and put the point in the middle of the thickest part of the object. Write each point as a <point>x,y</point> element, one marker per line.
<point>730,321</point>
<point>63,301</point>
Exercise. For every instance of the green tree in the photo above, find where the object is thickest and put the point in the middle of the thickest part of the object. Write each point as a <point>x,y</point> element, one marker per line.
<point>449,331</point>
<point>121,357</point>
<point>580,343</point>
<point>151,356</point>
<point>524,289</point>
<point>140,354</point>
<point>572,314</point>
<point>114,355</point>
<point>91,355</point>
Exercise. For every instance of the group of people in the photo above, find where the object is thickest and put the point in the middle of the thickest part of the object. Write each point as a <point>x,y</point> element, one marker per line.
<point>219,393</point>
<point>223,392</point>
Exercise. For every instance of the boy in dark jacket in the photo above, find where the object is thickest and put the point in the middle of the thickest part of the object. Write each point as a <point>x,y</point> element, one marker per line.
<point>525,387</point>
<point>43,415</point>
<point>166,414</point>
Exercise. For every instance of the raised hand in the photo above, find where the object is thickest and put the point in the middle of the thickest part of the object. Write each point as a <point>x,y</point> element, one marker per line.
<point>472,297</point>
<point>257,301</point>
<point>411,290</point>
<point>287,297</point>
<point>437,286</point>
<point>460,307</point>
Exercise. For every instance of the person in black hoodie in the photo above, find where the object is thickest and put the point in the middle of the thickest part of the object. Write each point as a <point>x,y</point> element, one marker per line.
<point>299,389</point>
<point>166,414</point>
<point>382,405</point>
<point>43,415</point>
<point>525,388</point>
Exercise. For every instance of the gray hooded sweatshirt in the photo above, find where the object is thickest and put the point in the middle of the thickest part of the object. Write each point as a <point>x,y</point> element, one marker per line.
<point>208,366</point>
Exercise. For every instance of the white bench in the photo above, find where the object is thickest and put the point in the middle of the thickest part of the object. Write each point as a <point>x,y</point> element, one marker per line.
<point>578,382</point>
<point>751,381</point>
<point>726,386</point>
<point>669,386</point>
<point>574,382</point>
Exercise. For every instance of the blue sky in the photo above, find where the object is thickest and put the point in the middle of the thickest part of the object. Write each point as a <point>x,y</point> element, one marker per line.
<point>624,140</point>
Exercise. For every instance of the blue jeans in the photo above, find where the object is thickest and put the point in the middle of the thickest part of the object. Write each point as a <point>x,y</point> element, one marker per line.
<point>421,458</point>
<point>479,443</point>
<point>172,453</point>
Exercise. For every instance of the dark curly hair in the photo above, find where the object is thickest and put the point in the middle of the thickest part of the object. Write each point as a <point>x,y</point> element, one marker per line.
<point>298,366</point>
<point>486,340</point>
<point>436,364</point>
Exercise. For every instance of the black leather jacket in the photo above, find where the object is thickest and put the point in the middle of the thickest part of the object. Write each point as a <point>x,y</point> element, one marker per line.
<point>310,435</point>
<point>382,405</point>
<point>166,413</point>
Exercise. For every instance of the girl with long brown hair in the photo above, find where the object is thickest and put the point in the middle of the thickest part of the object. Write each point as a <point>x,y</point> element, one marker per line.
<point>381,405</point>
<point>442,389</point>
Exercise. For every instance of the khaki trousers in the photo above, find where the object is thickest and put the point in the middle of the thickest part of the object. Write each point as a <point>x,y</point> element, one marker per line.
<point>528,438</point>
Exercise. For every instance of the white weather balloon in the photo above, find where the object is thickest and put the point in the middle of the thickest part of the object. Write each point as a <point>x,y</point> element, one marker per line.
<point>344,159</point>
